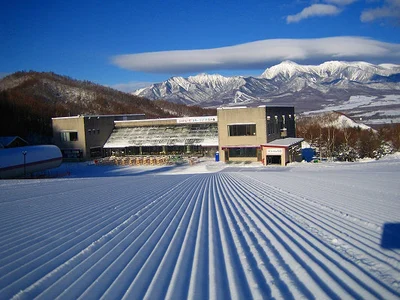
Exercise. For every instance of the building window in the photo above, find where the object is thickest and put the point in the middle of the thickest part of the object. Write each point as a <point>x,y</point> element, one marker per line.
<point>73,136</point>
<point>242,130</point>
<point>243,152</point>
<point>69,136</point>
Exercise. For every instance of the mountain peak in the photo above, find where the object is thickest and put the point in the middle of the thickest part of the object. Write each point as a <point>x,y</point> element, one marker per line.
<point>288,62</point>
<point>214,81</point>
<point>285,69</point>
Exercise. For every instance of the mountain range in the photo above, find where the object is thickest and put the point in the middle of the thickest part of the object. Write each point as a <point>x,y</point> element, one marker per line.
<point>307,87</point>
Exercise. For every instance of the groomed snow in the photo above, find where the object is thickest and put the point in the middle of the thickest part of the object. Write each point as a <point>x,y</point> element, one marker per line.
<point>210,230</point>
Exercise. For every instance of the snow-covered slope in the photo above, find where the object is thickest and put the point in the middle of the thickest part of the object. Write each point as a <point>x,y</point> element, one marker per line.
<point>307,87</point>
<point>367,109</point>
<point>309,231</point>
<point>334,119</point>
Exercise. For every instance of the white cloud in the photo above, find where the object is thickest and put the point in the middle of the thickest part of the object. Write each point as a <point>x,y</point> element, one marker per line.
<point>130,86</point>
<point>315,10</point>
<point>391,9</point>
<point>257,55</point>
<point>340,2</point>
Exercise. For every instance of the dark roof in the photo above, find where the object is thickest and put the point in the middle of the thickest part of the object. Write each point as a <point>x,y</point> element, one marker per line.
<point>7,141</point>
<point>287,142</point>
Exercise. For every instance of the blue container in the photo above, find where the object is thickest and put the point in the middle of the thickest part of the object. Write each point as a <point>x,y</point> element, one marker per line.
<point>217,156</point>
<point>307,154</point>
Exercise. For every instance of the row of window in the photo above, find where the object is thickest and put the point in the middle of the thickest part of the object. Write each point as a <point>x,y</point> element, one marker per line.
<point>72,136</point>
<point>242,130</point>
<point>93,131</point>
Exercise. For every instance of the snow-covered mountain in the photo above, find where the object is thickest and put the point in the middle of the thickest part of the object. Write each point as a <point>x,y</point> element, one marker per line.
<point>308,87</point>
<point>194,89</point>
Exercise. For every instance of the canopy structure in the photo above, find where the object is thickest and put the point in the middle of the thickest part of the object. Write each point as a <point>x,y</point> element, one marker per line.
<point>287,142</point>
<point>205,135</point>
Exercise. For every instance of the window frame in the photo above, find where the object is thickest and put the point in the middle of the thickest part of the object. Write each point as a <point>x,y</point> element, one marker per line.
<point>249,129</point>
<point>65,136</point>
<point>242,151</point>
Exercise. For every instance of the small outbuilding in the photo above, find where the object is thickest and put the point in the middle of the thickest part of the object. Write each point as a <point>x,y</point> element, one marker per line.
<point>281,151</point>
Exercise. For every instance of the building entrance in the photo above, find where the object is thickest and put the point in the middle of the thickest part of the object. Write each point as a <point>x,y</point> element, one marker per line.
<point>274,159</point>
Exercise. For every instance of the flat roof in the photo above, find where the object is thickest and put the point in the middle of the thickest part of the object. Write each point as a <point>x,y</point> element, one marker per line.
<point>232,107</point>
<point>287,142</point>
<point>101,116</point>
<point>181,120</point>
<point>240,146</point>
<point>259,106</point>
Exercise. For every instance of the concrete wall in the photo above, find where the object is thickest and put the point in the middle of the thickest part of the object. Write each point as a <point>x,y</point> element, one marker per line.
<point>288,154</point>
<point>283,152</point>
<point>226,117</point>
<point>93,132</point>
<point>69,124</point>
<point>98,130</point>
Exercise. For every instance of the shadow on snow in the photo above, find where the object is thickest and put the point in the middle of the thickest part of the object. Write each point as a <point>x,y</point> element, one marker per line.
<point>391,236</point>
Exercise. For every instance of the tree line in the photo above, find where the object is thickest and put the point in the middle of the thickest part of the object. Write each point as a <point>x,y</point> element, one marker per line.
<point>348,143</point>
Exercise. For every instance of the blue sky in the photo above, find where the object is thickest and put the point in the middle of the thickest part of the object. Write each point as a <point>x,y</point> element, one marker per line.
<point>126,44</point>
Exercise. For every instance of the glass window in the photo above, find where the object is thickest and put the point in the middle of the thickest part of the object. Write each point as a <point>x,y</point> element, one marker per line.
<point>243,152</point>
<point>242,130</point>
<point>64,136</point>
<point>69,136</point>
<point>73,136</point>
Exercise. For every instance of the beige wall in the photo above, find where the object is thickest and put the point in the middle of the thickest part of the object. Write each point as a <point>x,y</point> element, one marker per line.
<point>100,129</point>
<point>256,115</point>
<point>283,152</point>
<point>69,124</point>
<point>288,154</point>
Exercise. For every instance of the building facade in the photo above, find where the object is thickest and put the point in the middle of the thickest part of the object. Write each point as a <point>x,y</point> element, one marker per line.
<point>266,134</point>
<point>176,136</point>
<point>244,132</point>
<point>83,137</point>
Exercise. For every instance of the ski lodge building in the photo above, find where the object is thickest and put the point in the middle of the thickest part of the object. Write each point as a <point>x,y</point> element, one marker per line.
<point>266,134</point>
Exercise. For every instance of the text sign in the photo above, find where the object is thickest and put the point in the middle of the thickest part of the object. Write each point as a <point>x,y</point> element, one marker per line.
<point>274,151</point>
<point>210,119</point>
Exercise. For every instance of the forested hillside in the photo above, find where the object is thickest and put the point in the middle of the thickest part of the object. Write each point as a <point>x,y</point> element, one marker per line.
<point>332,137</point>
<point>28,101</point>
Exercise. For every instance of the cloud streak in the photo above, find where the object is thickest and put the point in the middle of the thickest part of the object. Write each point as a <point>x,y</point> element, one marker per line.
<point>260,54</point>
<point>315,10</point>
<point>340,2</point>
<point>391,9</point>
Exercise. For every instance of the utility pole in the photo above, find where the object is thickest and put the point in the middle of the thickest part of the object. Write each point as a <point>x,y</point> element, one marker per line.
<point>24,154</point>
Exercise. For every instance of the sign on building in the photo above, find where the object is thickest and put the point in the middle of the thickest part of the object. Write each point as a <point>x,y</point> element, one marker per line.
<point>274,151</point>
<point>209,119</point>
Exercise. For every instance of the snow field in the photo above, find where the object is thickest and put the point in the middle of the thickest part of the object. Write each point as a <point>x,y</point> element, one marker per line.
<point>305,231</point>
